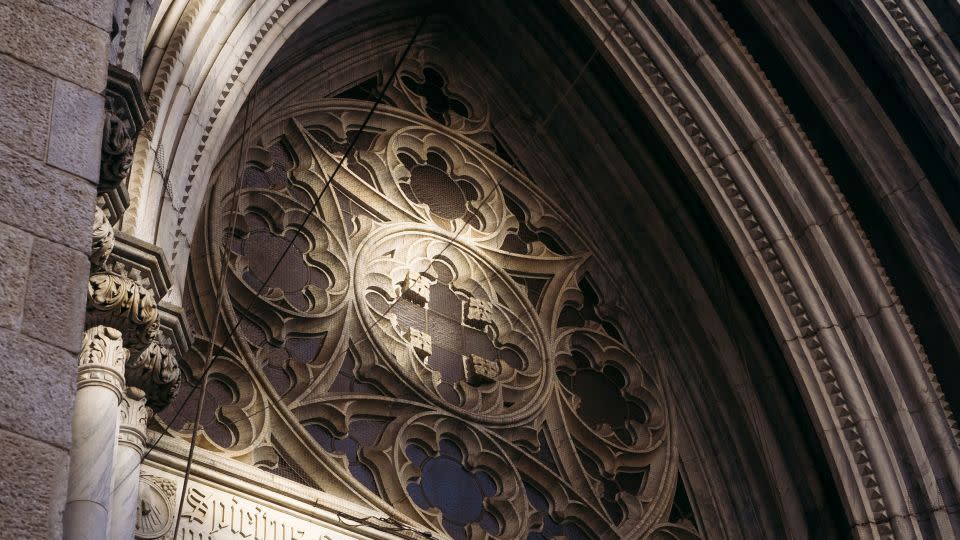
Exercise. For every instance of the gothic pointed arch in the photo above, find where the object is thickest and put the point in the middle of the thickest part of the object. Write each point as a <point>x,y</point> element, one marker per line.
<point>439,341</point>
<point>724,239</point>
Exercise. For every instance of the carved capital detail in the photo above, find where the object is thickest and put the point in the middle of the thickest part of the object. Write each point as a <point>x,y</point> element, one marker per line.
<point>133,419</point>
<point>103,239</point>
<point>116,152</point>
<point>102,359</point>
<point>119,302</point>
<point>155,373</point>
<point>123,118</point>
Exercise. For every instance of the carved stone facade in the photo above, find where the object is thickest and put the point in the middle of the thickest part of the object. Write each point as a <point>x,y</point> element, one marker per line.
<point>122,299</point>
<point>102,357</point>
<point>133,419</point>
<point>592,269</point>
<point>123,118</point>
<point>121,354</point>
<point>403,338</point>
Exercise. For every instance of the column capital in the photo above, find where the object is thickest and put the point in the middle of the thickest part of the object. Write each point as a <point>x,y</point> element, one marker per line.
<point>133,420</point>
<point>155,372</point>
<point>120,302</point>
<point>102,359</point>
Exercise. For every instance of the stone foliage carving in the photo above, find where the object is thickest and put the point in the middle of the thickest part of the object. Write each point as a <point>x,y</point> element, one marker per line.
<point>117,148</point>
<point>102,357</point>
<point>133,419</point>
<point>415,332</point>
<point>123,117</point>
<point>155,373</point>
<point>118,301</point>
<point>103,239</point>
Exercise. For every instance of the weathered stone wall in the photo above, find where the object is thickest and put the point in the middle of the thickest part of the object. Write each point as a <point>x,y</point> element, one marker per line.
<point>53,67</point>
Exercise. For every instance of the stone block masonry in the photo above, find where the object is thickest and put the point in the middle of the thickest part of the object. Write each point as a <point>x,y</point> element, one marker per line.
<point>53,66</point>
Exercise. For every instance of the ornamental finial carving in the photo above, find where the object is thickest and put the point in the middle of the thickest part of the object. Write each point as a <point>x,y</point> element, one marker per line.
<point>122,303</point>
<point>103,239</point>
<point>102,358</point>
<point>156,373</point>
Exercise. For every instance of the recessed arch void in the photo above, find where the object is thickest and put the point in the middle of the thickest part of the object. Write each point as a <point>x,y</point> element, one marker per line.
<point>602,96</point>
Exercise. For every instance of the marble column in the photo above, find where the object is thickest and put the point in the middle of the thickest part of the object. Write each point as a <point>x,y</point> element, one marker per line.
<point>99,391</point>
<point>131,441</point>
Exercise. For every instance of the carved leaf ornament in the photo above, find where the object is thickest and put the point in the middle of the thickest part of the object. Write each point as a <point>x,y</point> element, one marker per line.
<point>415,342</point>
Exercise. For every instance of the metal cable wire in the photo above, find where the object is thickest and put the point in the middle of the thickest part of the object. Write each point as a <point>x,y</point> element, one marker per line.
<point>216,324</point>
<point>392,524</point>
<point>299,230</point>
<point>300,226</point>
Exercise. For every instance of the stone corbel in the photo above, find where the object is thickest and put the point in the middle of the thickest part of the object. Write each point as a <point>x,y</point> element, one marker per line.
<point>125,113</point>
<point>135,257</point>
<point>120,302</point>
<point>122,294</point>
<point>153,367</point>
<point>148,263</point>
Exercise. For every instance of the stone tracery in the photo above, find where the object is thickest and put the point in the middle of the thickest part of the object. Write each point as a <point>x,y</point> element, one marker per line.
<point>402,338</point>
<point>758,165</point>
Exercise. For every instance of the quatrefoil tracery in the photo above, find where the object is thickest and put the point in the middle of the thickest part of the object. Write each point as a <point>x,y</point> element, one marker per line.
<point>438,103</point>
<point>415,323</point>
<point>419,313</point>
<point>448,198</point>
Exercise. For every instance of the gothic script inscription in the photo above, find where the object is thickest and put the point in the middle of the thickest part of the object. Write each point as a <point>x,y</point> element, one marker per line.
<point>209,515</point>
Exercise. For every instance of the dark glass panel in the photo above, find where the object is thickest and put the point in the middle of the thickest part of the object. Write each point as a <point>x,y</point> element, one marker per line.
<point>439,104</point>
<point>435,188</point>
<point>304,349</point>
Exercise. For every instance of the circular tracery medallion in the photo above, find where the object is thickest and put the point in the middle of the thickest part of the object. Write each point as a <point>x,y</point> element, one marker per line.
<point>456,326</point>
<point>425,343</point>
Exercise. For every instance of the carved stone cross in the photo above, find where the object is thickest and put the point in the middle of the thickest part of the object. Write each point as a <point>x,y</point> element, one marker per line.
<point>448,333</point>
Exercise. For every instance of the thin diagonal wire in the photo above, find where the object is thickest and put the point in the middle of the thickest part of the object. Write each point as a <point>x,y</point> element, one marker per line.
<point>276,265</point>
<point>313,208</point>
<point>540,128</point>
<point>221,302</point>
<point>380,318</point>
<point>542,125</point>
<point>450,241</point>
<point>580,73</point>
<point>203,375</point>
<point>435,258</point>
